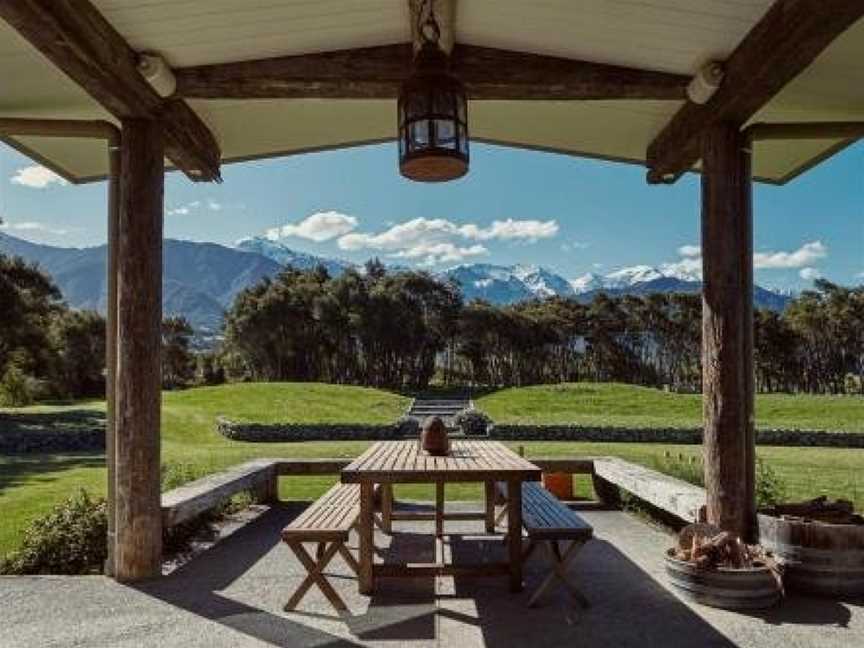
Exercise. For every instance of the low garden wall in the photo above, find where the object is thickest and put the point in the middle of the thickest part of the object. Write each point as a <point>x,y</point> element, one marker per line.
<point>283,432</point>
<point>48,442</point>
<point>346,432</point>
<point>795,438</point>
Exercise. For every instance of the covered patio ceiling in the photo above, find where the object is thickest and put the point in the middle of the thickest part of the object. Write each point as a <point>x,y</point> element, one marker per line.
<point>294,105</point>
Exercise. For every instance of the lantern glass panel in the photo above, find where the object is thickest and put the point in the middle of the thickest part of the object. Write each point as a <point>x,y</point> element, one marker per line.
<point>445,133</point>
<point>419,134</point>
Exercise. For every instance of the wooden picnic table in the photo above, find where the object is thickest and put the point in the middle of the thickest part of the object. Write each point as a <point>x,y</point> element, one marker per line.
<point>404,462</point>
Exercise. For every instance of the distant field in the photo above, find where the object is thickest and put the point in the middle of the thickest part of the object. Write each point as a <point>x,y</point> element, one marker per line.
<point>30,484</point>
<point>642,407</point>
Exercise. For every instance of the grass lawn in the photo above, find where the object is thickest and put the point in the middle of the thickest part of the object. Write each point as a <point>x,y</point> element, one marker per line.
<point>30,484</point>
<point>641,407</point>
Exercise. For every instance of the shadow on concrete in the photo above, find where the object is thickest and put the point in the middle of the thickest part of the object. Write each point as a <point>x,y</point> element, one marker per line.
<point>401,609</point>
<point>805,610</point>
<point>195,587</point>
<point>628,606</point>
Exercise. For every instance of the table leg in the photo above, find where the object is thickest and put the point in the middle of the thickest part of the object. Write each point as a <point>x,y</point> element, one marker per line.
<point>514,533</point>
<point>387,507</point>
<point>490,506</point>
<point>367,549</point>
<point>439,509</point>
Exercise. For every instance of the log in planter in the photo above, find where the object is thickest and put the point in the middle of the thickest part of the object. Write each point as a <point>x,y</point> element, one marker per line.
<point>818,558</point>
<point>723,587</point>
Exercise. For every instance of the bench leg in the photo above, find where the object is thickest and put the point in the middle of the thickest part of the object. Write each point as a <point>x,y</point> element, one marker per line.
<point>316,576</point>
<point>559,572</point>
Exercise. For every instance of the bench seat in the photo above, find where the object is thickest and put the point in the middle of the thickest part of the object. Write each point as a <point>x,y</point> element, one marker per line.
<point>328,522</point>
<point>544,517</point>
<point>547,521</point>
<point>329,518</point>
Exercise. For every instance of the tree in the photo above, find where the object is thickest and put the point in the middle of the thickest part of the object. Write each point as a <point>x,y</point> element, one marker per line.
<point>30,300</point>
<point>178,364</point>
<point>79,337</point>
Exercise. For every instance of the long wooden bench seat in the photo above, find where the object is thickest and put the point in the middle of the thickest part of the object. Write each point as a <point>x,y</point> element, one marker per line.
<point>328,522</point>
<point>547,522</point>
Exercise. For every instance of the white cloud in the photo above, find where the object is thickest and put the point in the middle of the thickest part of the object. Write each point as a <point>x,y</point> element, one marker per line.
<point>32,226</point>
<point>690,251</point>
<point>438,240</point>
<point>806,255</point>
<point>36,177</point>
<point>432,254</point>
<point>507,230</point>
<point>212,205</point>
<point>319,227</point>
<point>183,210</point>
<point>690,263</point>
<point>809,274</point>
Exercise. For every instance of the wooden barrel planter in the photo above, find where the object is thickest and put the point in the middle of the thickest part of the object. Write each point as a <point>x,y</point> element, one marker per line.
<point>732,589</point>
<point>817,558</point>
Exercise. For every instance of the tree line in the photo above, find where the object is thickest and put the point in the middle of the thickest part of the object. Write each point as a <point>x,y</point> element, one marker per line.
<point>48,350</point>
<point>408,329</point>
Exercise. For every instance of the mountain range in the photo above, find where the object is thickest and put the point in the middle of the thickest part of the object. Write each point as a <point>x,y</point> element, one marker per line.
<point>201,280</point>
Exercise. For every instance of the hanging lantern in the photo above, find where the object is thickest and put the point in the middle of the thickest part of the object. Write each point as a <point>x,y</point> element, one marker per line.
<point>433,115</point>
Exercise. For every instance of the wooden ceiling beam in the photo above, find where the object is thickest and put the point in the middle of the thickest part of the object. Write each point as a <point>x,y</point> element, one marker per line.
<point>78,40</point>
<point>780,46</point>
<point>377,73</point>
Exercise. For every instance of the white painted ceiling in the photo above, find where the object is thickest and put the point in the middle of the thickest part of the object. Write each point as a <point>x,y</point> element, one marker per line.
<point>669,35</point>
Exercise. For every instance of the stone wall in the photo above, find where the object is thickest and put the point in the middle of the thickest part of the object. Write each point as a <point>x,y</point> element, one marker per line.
<point>796,438</point>
<point>260,433</point>
<point>346,432</point>
<point>28,441</point>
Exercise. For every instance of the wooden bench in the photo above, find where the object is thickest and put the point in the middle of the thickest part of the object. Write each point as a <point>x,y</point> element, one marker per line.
<point>327,522</point>
<point>547,522</point>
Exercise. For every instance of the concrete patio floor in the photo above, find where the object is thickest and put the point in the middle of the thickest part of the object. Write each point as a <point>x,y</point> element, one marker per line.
<point>232,595</point>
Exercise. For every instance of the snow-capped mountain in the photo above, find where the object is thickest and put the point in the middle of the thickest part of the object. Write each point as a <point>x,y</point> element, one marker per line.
<point>630,276</point>
<point>543,283</point>
<point>493,283</point>
<point>286,256</point>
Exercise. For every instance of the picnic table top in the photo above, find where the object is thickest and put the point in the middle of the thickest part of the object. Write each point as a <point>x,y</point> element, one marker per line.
<point>468,461</point>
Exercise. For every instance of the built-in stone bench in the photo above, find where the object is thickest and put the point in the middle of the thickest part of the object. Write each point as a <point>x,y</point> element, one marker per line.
<point>670,495</point>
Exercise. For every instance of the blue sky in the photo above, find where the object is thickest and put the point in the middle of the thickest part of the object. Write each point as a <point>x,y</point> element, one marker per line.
<point>571,215</point>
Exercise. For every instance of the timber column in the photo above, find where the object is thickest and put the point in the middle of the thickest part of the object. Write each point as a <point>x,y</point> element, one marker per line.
<point>727,329</point>
<point>138,544</point>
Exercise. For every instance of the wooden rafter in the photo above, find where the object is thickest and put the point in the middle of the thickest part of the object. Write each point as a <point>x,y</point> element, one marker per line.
<point>377,72</point>
<point>779,47</point>
<point>77,39</point>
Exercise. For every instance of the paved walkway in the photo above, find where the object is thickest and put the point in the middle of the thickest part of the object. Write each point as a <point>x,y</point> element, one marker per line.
<point>232,596</point>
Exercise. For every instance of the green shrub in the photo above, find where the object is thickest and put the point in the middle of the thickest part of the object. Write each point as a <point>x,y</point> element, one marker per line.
<point>70,539</point>
<point>686,468</point>
<point>408,426</point>
<point>177,473</point>
<point>16,389</point>
<point>770,489</point>
<point>472,422</point>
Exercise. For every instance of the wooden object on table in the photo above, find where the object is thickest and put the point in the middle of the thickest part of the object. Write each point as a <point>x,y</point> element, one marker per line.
<point>391,462</point>
<point>548,522</point>
<point>327,522</point>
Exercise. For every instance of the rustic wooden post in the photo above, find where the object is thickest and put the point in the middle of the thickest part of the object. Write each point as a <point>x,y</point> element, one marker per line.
<point>138,548</point>
<point>727,329</point>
